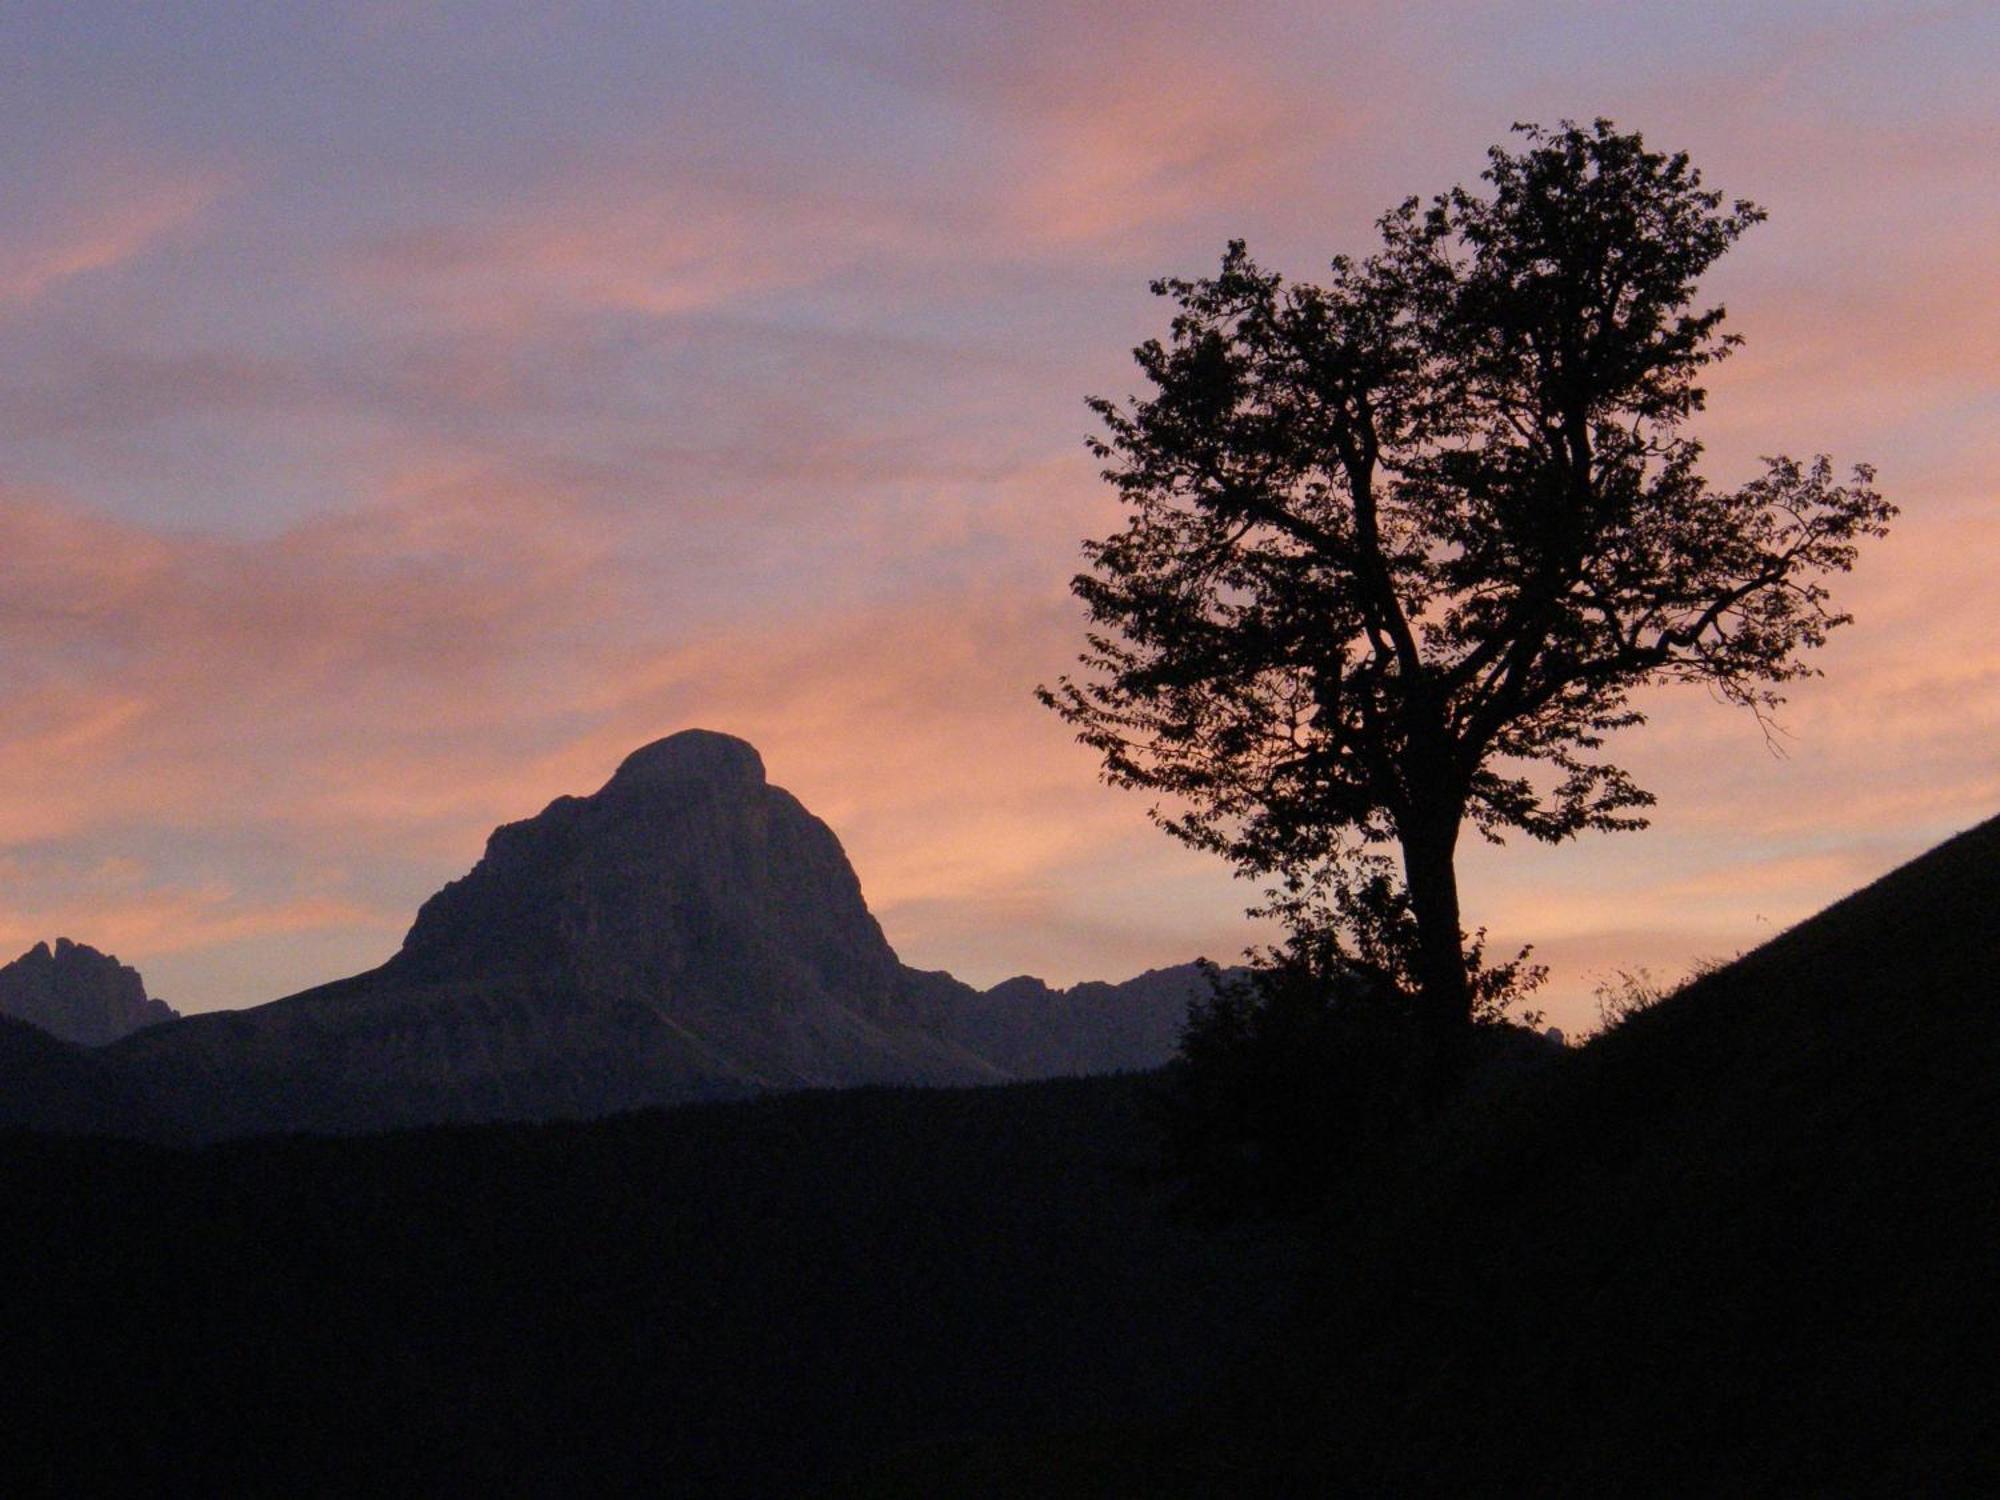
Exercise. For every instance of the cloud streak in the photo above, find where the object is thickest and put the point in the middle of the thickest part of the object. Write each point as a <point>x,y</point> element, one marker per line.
<point>125,212</point>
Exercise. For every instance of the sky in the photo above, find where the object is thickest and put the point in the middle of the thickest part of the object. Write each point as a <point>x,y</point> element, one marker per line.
<point>409,409</point>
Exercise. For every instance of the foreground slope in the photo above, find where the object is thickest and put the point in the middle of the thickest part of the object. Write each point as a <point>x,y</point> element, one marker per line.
<point>1747,1243</point>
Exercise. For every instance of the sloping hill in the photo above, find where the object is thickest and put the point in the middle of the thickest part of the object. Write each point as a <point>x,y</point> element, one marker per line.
<point>1748,1243</point>
<point>1750,1240</point>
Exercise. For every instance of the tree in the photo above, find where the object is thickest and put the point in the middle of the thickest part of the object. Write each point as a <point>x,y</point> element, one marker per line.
<point>1401,548</point>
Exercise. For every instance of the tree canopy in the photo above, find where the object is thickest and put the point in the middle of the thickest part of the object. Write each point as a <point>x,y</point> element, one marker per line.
<point>1401,547</point>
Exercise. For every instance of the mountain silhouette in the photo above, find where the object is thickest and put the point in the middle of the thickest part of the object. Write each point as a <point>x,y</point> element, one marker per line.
<point>687,932</point>
<point>1035,1031</point>
<point>78,994</point>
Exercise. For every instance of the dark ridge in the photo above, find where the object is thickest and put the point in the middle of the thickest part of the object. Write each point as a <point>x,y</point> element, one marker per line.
<point>1743,1245</point>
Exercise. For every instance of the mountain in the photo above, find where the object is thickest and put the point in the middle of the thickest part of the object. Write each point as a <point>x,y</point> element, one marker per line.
<point>78,994</point>
<point>1034,1031</point>
<point>687,932</point>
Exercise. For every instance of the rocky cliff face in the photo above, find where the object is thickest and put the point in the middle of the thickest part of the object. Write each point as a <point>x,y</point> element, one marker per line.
<point>78,994</point>
<point>686,875</point>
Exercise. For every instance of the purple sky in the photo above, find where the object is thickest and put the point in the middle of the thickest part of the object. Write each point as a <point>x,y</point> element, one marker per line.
<point>409,409</point>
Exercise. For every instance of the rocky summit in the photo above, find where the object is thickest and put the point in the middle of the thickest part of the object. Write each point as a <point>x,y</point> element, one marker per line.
<point>688,876</point>
<point>76,993</point>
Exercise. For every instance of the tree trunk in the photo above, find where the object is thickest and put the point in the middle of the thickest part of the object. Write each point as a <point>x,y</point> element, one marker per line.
<point>1444,1003</point>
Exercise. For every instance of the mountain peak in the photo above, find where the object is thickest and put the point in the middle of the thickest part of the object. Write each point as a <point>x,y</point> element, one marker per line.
<point>701,755</point>
<point>686,875</point>
<point>77,993</point>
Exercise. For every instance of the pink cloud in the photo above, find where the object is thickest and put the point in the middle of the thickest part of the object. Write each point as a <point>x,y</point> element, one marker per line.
<point>378,689</point>
<point>1153,147</point>
<point>152,671</point>
<point>1101,123</point>
<point>1853,353</point>
<point>120,211</point>
<point>391,684</point>
<point>982,837</point>
<point>173,920</point>
<point>1073,127</point>
<point>653,239</point>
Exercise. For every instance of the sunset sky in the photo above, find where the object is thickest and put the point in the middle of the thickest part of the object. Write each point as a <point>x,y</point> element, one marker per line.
<point>408,409</point>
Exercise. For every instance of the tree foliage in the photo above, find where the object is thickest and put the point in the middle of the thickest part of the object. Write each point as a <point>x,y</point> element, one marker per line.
<point>1402,547</point>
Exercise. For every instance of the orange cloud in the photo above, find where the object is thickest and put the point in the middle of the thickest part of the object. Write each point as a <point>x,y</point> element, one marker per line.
<point>377,691</point>
<point>982,836</point>
<point>910,727</point>
<point>1153,147</point>
<point>150,672</point>
<point>1906,341</point>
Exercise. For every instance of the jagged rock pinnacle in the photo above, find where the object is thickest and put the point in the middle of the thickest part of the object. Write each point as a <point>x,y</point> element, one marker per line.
<point>74,992</point>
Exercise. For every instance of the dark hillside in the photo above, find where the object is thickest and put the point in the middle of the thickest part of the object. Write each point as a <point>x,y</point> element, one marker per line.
<point>1750,1240</point>
<point>50,1084</point>
<point>1748,1243</point>
<point>736,1298</point>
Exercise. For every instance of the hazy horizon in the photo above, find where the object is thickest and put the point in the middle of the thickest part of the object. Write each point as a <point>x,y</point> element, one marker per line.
<point>411,409</point>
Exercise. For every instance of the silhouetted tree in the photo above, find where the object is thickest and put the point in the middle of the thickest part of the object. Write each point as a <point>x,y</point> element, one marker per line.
<point>1401,547</point>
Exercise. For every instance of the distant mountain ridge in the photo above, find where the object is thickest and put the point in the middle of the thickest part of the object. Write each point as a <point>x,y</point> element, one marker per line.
<point>686,932</point>
<point>1035,1031</point>
<point>78,994</point>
